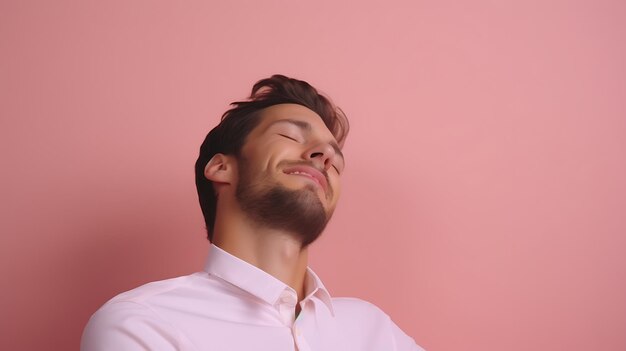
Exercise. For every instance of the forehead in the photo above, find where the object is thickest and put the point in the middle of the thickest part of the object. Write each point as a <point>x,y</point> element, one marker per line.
<point>272,116</point>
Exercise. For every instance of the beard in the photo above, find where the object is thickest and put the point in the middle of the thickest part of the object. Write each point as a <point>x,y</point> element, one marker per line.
<point>272,205</point>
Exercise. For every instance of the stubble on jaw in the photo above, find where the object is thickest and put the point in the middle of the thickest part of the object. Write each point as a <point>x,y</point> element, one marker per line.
<point>271,205</point>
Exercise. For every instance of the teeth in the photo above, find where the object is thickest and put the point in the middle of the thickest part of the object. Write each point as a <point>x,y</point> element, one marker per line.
<point>305,174</point>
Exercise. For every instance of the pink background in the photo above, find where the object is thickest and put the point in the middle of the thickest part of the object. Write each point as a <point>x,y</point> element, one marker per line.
<point>485,195</point>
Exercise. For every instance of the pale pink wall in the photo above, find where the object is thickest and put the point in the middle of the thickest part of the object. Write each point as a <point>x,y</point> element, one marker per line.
<point>483,204</point>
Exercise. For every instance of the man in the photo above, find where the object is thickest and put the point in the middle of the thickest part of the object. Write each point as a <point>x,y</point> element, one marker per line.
<point>268,182</point>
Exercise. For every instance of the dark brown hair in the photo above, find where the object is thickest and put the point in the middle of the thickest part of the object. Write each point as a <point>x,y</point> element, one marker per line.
<point>229,136</point>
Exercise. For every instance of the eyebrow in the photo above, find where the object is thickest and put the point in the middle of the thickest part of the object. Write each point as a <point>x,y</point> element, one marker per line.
<point>306,126</point>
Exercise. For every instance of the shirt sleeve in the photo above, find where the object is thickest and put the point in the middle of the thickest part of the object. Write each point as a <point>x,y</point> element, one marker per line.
<point>128,326</point>
<point>403,342</point>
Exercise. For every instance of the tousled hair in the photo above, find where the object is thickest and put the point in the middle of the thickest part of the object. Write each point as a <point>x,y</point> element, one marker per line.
<point>229,136</point>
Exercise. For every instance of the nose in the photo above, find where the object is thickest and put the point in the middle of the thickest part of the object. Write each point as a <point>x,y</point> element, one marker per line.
<point>321,155</point>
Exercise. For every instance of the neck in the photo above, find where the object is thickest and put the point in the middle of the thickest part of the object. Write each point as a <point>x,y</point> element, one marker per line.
<point>274,251</point>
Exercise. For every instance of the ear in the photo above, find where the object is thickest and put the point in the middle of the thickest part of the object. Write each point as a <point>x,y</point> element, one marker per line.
<point>221,169</point>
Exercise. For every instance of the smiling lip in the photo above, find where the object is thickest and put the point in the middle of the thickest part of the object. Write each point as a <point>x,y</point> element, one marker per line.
<point>310,172</point>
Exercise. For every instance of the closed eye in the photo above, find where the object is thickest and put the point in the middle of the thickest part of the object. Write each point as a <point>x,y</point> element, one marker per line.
<point>288,137</point>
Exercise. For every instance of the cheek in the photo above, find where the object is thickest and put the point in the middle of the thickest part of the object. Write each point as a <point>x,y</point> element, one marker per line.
<point>336,184</point>
<point>260,162</point>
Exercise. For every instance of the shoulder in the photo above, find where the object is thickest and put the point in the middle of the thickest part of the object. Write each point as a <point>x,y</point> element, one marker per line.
<point>357,307</point>
<point>366,318</point>
<point>154,290</point>
<point>133,320</point>
<point>124,325</point>
<point>358,315</point>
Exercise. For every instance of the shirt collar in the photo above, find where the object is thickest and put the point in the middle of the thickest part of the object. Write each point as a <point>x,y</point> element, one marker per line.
<point>257,282</point>
<point>315,287</point>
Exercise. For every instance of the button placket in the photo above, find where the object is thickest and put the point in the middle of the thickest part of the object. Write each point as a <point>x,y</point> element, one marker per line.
<point>300,341</point>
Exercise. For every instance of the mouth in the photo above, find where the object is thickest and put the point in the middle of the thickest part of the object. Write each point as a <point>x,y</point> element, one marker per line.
<point>309,172</point>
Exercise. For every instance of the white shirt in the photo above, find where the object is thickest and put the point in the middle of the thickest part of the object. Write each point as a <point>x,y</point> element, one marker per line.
<point>234,305</point>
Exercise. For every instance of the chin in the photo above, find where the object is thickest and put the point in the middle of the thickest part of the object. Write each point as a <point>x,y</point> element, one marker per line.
<point>300,212</point>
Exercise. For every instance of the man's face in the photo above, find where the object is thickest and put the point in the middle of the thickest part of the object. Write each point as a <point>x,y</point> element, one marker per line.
<point>289,172</point>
